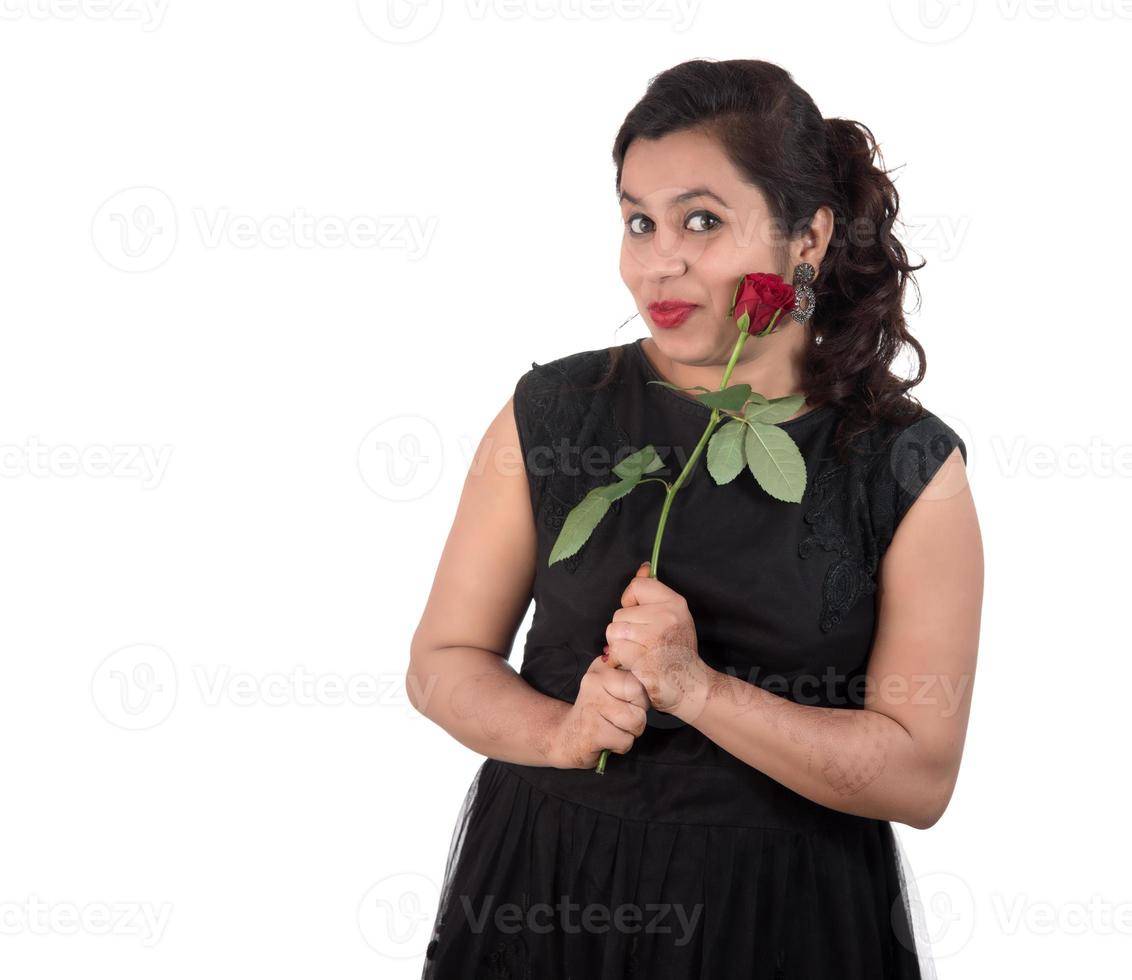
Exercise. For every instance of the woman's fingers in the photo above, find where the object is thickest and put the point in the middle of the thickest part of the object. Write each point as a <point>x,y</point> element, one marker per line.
<point>624,685</point>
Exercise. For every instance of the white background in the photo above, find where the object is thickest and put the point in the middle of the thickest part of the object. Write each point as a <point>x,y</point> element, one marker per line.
<point>210,578</point>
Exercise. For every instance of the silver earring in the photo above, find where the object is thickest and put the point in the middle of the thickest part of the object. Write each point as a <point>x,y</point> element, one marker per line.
<point>803,276</point>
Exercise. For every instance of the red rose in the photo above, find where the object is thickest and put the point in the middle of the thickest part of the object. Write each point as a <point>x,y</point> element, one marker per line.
<point>760,295</point>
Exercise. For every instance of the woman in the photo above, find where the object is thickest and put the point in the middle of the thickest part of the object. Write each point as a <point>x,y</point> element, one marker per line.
<point>797,676</point>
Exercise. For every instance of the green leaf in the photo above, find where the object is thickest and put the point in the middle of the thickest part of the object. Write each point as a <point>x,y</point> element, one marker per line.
<point>614,491</point>
<point>584,517</point>
<point>744,321</point>
<point>725,451</point>
<point>730,398</point>
<point>775,461</point>
<point>775,410</point>
<point>639,463</point>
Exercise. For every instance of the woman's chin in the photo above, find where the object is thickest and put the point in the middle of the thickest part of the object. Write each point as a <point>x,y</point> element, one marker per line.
<point>692,347</point>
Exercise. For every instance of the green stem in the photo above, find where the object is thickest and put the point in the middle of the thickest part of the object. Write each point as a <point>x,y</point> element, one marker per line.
<point>654,564</point>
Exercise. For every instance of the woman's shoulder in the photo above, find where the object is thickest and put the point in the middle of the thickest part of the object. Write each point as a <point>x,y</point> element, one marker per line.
<point>903,457</point>
<point>576,369</point>
<point>564,389</point>
<point>918,436</point>
<point>559,395</point>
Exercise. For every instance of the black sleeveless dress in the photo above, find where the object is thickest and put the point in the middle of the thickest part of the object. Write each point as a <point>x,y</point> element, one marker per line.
<point>681,861</point>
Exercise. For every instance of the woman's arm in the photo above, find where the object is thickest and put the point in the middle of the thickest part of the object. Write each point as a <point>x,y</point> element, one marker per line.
<point>458,673</point>
<point>898,758</point>
<point>483,703</point>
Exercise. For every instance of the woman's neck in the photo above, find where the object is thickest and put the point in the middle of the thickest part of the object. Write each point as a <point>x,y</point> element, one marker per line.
<point>774,370</point>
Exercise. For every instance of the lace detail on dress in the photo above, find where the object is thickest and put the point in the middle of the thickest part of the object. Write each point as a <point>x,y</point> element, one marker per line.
<point>563,425</point>
<point>851,575</point>
<point>906,463</point>
<point>505,959</point>
<point>854,509</point>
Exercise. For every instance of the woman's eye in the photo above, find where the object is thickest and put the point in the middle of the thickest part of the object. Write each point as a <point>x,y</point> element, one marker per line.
<point>694,222</point>
<point>636,230</point>
<point>704,216</point>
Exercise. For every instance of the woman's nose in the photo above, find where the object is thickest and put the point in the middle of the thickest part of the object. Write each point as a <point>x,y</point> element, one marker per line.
<point>663,257</point>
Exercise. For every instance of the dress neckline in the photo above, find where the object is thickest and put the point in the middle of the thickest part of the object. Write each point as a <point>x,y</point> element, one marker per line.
<point>694,406</point>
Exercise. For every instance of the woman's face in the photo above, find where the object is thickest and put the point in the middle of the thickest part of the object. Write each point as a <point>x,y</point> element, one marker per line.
<point>693,229</point>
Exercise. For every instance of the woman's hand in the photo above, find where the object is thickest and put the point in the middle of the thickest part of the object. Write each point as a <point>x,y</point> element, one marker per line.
<point>654,637</point>
<point>609,713</point>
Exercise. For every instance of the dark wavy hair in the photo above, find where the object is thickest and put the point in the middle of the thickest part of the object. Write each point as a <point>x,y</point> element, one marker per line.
<point>774,135</point>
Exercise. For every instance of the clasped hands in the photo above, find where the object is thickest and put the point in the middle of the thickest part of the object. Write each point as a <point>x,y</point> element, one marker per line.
<point>653,636</point>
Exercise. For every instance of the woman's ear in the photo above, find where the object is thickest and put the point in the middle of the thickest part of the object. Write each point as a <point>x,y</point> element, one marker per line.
<point>812,246</point>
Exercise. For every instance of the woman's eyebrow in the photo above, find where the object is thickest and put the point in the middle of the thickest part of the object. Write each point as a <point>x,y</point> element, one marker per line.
<point>678,199</point>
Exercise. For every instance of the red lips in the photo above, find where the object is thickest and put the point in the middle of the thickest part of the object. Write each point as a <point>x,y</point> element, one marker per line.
<point>671,312</point>
<point>669,305</point>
